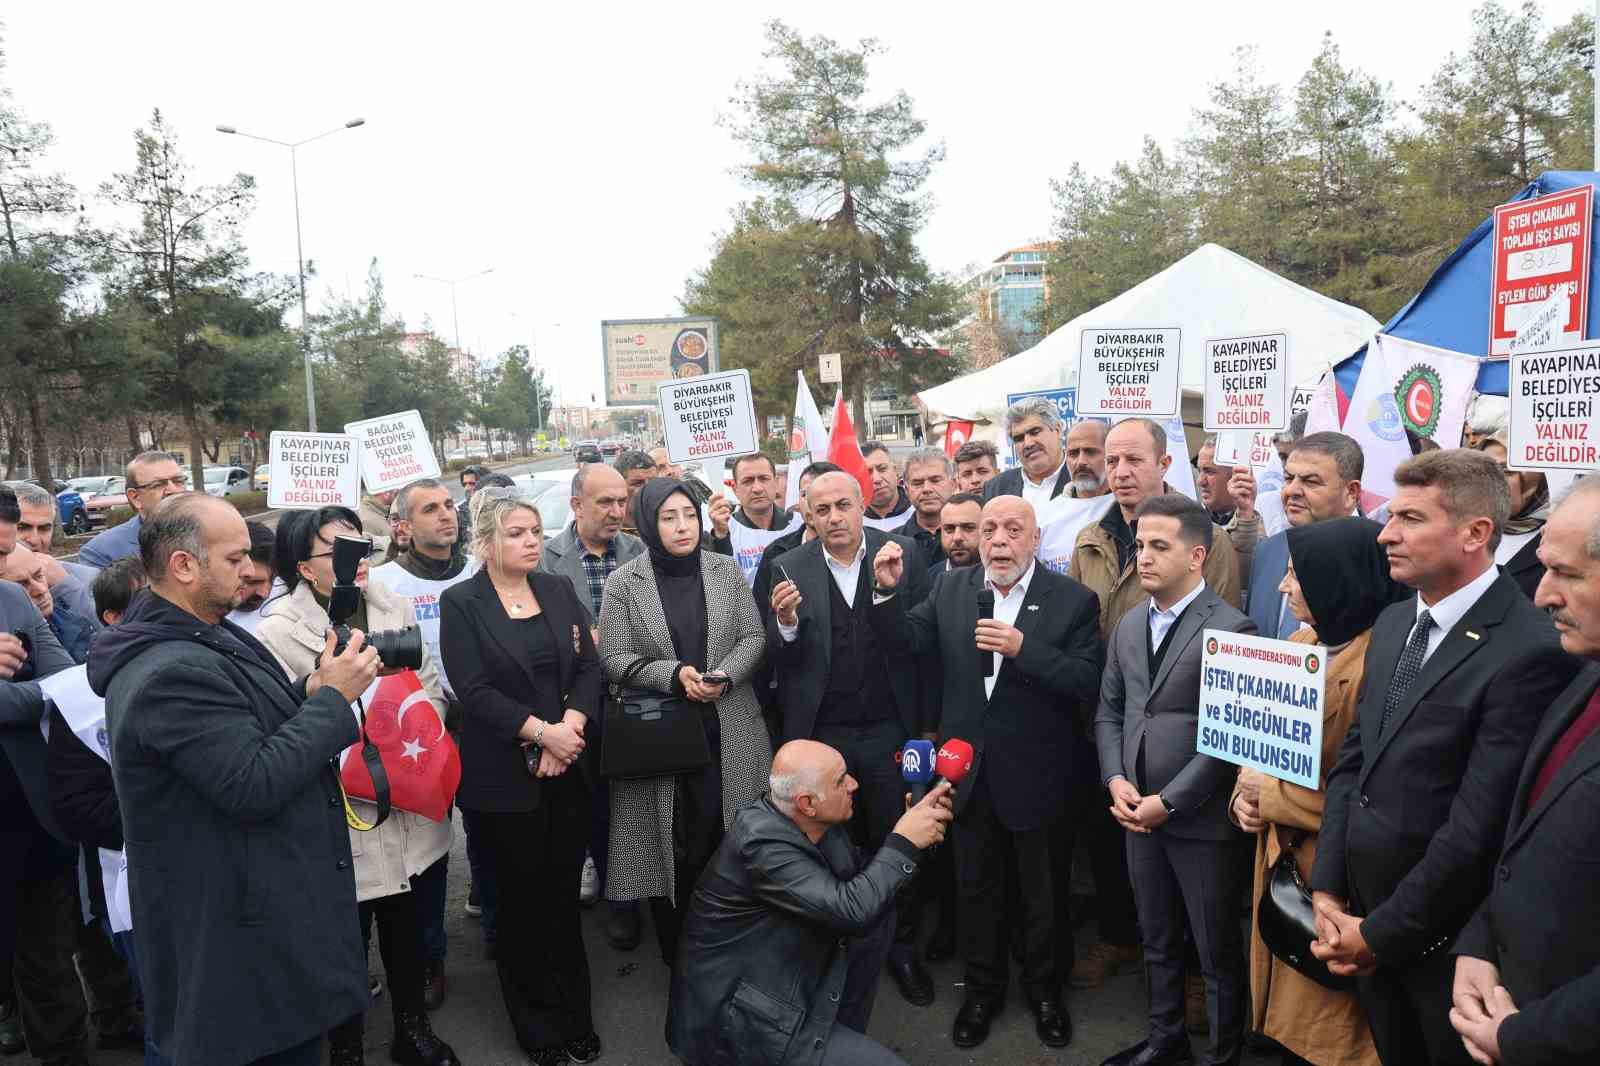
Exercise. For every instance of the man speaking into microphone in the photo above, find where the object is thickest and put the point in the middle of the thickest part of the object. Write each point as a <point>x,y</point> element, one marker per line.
<point>1015,685</point>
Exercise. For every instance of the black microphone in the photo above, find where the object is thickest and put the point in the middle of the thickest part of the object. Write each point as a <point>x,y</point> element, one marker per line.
<point>986,612</point>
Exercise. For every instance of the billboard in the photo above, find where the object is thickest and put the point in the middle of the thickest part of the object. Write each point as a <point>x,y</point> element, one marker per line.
<point>642,354</point>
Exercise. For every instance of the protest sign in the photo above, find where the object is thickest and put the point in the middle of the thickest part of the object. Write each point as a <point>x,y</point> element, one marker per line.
<point>1247,382</point>
<point>1544,326</point>
<point>1300,398</point>
<point>1255,450</point>
<point>1261,704</point>
<point>395,450</point>
<point>1066,401</point>
<point>1553,409</point>
<point>1541,246</point>
<point>309,470</point>
<point>1126,372</point>
<point>708,417</point>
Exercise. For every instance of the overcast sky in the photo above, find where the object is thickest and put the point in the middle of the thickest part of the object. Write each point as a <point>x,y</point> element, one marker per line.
<point>574,149</point>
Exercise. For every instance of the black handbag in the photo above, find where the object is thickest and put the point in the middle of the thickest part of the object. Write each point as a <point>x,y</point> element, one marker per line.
<point>1287,923</point>
<point>647,734</point>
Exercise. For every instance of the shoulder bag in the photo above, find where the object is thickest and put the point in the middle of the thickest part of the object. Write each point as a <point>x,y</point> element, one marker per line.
<point>648,734</point>
<point>1288,923</point>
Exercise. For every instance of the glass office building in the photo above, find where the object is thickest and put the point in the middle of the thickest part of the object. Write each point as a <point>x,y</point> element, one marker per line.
<point>1012,288</point>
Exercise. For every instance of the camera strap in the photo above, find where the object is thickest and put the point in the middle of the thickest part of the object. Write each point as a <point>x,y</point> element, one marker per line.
<point>380,782</point>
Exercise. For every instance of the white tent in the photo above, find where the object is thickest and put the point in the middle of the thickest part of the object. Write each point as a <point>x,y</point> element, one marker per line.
<point>1209,293</point>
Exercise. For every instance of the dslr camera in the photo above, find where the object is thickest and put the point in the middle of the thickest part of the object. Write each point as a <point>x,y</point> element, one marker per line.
<point>398,649</point>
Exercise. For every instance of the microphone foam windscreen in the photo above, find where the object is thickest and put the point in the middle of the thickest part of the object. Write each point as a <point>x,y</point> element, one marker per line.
<point>916,761</point>
<point>955,759</point>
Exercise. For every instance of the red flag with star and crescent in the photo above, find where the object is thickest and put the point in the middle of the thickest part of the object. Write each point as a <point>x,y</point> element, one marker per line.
<point>423,763</point>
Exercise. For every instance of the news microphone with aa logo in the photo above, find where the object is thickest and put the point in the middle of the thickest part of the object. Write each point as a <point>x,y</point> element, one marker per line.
<point>916,767</point>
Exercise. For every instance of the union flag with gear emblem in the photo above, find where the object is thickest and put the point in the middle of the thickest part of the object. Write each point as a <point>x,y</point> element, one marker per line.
<point>421,758</point>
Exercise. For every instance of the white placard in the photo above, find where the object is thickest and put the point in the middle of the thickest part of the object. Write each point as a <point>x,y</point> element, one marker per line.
<point>1127,372</point>
<point>395,450</point>
<point>1554,421</point>
<point>1255,450</point>
<point>1261,704</point>
<point>1247,382</point>
<point>311,470</point>
<point>1544,322</point>
<point>708,417</point>
<point>829,369</point>
<point>1300,398</point>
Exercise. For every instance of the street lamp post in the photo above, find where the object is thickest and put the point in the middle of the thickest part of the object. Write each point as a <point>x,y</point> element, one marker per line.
<point>454,316</point>
<point>299,252</point>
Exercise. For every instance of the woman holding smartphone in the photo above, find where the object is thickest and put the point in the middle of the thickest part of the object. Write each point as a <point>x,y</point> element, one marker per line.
<point>680,620</point>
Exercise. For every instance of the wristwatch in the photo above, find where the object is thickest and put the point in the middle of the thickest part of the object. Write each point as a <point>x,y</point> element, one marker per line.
<point>1171,810</point>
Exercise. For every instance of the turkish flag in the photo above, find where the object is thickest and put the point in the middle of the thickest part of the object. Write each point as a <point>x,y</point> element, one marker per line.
<point>955,435</point>
<point>844,451</point>
<point>423,763</point>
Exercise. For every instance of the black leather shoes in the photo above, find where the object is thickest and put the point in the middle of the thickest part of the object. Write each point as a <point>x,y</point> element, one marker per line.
<point>622,928</point>
<point>915,983</point>
<point>972,1022</point>
<point>942,945</point>
<point>1142,1054</point>
<point>1052,1022</point>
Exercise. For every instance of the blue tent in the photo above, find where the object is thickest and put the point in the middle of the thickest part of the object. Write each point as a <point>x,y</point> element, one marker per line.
<point>1452,310</point>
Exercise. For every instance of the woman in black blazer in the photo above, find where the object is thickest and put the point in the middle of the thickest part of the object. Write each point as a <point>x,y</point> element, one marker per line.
<point>516,645</point>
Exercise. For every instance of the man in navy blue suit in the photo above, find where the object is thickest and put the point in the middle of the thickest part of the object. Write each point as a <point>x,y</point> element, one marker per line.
<point>1321,480</point>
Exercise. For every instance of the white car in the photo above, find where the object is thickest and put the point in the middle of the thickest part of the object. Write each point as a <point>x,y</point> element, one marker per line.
<point>227,480</point>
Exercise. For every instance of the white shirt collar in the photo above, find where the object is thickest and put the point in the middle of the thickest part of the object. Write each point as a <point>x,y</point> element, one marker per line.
<point>834,564</point>
<point>1450,610</point>
<point>1021,585</point>
<point>1182,605</point>
<point>1049,479</point>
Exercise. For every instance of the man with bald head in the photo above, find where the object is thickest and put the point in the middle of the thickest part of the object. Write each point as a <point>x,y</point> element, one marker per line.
<point>838,685</point>
<point>226,773</point>
<point>760,964</point>
<point>1016,687</point>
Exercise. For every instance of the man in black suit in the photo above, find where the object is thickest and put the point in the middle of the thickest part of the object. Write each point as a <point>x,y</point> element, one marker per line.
<point>1418,801</point>
<point>930,479</point>
<point>1014,688</point>
<point>1527,976</point>
<point>1185,859</point>
<point>1048,468</point>
<point>838,684</point>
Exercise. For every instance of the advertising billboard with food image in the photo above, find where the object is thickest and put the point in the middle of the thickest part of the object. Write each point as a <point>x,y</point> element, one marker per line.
<point>642,354</point>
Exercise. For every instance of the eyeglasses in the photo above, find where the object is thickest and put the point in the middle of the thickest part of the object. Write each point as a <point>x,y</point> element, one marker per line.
<point>371,550</point>
<point>178,482</point>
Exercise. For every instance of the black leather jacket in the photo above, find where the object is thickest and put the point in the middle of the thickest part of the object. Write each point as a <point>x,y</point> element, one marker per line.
<point>766,943</point>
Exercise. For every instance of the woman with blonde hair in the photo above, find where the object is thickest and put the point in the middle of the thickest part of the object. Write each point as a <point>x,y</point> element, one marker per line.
<point>1337,584</point>
<point>517,649</point>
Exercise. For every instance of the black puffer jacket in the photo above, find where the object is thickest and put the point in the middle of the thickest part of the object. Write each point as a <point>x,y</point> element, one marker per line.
<point>765,947</point>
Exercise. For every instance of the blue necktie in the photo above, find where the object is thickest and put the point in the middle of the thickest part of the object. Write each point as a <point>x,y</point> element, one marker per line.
<point>1406,671</point>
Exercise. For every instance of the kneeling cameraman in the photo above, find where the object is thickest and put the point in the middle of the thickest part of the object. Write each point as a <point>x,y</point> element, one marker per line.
<point>395,858</point>
<point>789,926</point>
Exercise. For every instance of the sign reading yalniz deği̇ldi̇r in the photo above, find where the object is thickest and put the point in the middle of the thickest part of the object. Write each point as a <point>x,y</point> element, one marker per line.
<point>307,470</point>
<point>395,450</point>
<point>1261,704</point>
<point>708,417</point>
<point>1247,382</point>
<point>1554,423</point>
<point>1128,372</point>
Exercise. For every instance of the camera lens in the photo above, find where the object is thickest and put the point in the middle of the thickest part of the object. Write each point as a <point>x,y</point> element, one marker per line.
<point>398,649</point>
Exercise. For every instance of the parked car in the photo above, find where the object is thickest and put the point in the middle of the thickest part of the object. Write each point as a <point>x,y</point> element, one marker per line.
<point>91,486</point>
<point>227,480</point>
<point>261,477</point>
<point>70,509</point>
<point>112,495</point>
<point>587,451</point>
<point>611,447</point>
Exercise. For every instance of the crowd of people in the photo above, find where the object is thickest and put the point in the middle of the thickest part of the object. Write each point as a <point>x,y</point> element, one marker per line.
<point>704,711</point>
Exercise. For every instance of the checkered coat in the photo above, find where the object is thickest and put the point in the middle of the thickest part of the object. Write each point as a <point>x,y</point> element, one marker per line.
<point>633,625</point>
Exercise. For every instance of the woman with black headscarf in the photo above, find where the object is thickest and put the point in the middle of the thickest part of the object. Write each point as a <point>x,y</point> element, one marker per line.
<point>669,618</point>
<point>1337,584</point>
